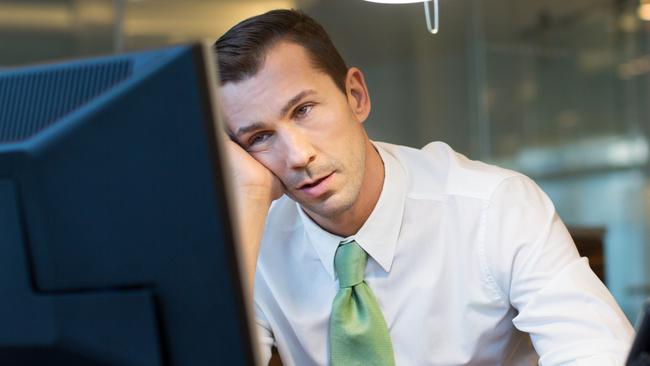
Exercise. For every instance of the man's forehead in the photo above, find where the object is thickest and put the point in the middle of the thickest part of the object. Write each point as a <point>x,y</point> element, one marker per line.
<point>260,96</point>
<point>280,78</point>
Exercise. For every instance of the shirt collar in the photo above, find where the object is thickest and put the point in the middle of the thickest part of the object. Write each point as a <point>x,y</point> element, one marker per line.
<point>378,235</point>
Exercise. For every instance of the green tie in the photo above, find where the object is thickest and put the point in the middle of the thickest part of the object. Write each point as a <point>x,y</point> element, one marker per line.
<point>358,332</point>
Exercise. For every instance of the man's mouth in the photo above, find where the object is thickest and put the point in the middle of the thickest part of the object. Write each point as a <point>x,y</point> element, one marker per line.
<point>312,183</point>
<point>315,187</point>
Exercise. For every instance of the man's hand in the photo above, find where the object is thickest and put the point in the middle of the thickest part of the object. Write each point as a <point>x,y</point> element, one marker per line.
<point>255,187</point>
<point>251,179</point>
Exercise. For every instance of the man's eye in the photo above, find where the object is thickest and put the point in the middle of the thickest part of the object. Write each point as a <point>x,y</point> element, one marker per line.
<point>304,110</point>
<point>258,138</point>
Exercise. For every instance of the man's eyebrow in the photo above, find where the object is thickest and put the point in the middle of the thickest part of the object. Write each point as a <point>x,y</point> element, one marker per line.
<point>250,128</point>
<point>260,125</point>
<point>293,101</point>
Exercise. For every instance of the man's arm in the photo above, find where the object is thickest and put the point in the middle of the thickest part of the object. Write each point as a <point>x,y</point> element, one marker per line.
<point>255,187</point>
<point>570,315</point>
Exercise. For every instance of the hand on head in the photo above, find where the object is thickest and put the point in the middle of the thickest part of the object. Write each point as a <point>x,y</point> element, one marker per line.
<point>250,177</point>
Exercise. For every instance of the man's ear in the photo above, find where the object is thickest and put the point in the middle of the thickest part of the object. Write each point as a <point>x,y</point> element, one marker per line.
<point>357,94</point>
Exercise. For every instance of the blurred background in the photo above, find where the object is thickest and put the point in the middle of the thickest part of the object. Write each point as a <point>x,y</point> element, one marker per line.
<point>555,89</point>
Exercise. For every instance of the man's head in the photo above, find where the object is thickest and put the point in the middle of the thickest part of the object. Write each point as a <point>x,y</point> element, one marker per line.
<point>298,118</point>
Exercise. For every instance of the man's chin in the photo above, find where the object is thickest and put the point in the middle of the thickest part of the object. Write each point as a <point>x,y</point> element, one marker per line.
<point>328,208</point>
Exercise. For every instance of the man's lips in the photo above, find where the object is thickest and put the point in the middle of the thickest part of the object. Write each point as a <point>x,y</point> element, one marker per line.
<point>317,187</point>
<point>313,182</point>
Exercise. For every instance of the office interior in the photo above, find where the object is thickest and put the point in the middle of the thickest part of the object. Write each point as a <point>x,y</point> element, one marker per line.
<point>555,89</point>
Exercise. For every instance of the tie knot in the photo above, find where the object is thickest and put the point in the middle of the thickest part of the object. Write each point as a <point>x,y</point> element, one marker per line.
<point>350,264</point>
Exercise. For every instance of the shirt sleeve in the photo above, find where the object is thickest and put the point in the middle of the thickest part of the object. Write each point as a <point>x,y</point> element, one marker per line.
<point>264,336</point>
<point>570,315</point>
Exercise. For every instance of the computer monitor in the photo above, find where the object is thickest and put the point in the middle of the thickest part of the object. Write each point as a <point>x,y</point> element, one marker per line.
<point>640,351</point>
<point>116,243</point>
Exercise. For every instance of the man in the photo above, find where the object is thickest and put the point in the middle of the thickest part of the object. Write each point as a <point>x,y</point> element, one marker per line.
<point>380,254</point>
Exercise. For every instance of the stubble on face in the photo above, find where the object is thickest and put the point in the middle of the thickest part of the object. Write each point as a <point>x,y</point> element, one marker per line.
<point>349,175</point>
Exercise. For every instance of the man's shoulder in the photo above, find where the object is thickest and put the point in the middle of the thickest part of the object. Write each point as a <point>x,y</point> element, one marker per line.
<point>437,169</point>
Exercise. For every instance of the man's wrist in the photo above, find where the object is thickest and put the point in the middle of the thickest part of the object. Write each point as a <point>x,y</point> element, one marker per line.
<point>256,195</point>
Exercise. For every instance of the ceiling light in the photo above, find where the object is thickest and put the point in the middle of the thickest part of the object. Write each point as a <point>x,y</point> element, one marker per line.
<point>427,16</point>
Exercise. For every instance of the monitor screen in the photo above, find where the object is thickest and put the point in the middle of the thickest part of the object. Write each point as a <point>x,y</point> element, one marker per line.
<point>116,243</point>
<point>640,351</point>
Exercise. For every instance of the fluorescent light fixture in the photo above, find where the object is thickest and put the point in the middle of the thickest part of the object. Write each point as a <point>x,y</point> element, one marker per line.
<point>427,16</point>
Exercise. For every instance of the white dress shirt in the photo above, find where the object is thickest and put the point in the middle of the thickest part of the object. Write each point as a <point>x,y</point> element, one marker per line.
<point>469,263</point>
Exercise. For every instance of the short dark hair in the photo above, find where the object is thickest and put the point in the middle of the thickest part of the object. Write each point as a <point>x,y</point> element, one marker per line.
<point>242,49</point>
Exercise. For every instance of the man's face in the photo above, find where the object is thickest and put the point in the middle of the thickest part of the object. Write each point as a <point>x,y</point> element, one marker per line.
<point>294,120</point>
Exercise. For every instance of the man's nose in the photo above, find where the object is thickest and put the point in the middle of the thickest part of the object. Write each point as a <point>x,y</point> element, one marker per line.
<point>300,151</point>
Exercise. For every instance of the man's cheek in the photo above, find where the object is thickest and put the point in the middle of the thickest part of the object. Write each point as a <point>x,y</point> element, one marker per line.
<point>285,185</point>
<point>265,159</point>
